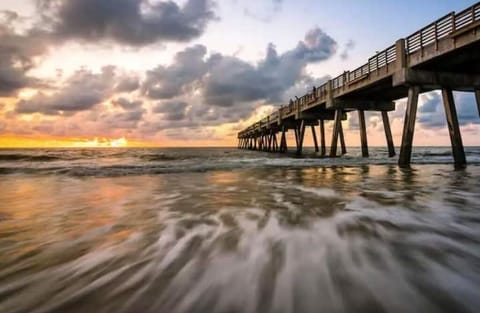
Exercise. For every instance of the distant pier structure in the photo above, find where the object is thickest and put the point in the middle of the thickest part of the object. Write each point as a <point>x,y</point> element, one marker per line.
<point>444,55</point>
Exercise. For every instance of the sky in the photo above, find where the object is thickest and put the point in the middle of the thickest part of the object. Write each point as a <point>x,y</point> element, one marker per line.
<point>195,72</point>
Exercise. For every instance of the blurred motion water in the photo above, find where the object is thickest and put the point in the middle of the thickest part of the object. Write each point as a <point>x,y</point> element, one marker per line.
<point>221,230</point>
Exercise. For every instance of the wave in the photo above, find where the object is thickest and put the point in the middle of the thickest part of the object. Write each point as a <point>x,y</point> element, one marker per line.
<point>27,157</point>
<point>164,157</point>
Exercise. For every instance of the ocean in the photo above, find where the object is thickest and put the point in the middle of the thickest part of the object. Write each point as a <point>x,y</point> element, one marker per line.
<point>226,230</point>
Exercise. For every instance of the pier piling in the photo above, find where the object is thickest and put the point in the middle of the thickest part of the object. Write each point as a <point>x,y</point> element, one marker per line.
<point>409,126</point>
<point>337,124</point>
<point>388,134</point>
<point>477,97</point>
<point>363,133</point>
<point>314,136</point>
<point>323,148</point>
<point>453,128</point>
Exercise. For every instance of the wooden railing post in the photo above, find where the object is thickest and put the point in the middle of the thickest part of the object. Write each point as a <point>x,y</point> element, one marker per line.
<point>401,54</point>
<point>454,27</point>
<point>329,94</point>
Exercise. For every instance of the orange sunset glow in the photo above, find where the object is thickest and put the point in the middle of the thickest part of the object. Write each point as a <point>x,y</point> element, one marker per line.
<point>97,142</point>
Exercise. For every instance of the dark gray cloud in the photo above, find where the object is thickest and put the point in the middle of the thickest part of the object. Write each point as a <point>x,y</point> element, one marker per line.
<point>171,110</point>
<point>432,115</point>
<point>127,104</point>
<point>346,50</point>
<point>122,120</point>
<point>131,22</point>
<point>227,80</point>
<point>127,84</point>
<point>17,54</point>
<point>232,80</point>
<point>81,92</point>
<point>165,82</point>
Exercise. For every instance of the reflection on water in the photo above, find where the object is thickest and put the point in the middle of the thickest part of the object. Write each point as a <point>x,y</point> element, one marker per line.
<point>327,239</point>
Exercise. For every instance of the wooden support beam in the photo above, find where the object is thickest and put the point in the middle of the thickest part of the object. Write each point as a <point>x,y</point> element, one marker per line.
<point>270,142</point>
<point>301,135</point>
<point>409,126</point>
<point>297,137</point>
<point>453,128</point>
<point>363,133</point>
<point>477,96</point>
<point>323,148</point>
<point>435,79</point>
<point>388,134</point>
<point>337,124</point>
<point>362,104</point>
<point>283,141</point>
<point>314,135</point>
<point>342,139</point>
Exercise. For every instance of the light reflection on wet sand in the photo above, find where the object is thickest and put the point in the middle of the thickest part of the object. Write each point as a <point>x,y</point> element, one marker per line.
<point>325,239</point>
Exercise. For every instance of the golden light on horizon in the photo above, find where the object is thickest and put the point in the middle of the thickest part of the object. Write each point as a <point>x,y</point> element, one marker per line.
<point>102,143</point>
<point>97,142</point>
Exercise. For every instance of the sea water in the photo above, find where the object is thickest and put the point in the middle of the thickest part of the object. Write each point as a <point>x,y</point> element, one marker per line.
<point>227,230</point>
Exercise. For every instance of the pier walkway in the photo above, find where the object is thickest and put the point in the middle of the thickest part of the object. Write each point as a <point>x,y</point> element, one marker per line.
<point>444,55</point>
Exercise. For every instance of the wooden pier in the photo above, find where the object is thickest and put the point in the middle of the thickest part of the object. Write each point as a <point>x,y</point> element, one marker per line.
<point>444,55</point>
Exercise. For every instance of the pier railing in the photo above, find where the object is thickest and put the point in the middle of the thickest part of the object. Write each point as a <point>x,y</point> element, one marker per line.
<point>429,35</point>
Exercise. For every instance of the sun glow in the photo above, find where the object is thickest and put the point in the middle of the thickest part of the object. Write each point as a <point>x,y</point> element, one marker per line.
<point>97,142</point>
<point>102,143</point>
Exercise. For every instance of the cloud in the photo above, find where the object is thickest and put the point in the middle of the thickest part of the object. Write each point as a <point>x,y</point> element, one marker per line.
<point>199,90</point>
<point>346,50</point>
<point>232,80</point>
<point>431,113</point>
<point>81,92</point>
<point>166,82</point>
<point>272,8</point>
<point>122,120</point>
<point>171,110</point>
<point>196,90</point>
<point>127,84</point>
<point>126,104</point>
<point>228,80</point>
<point>17,54</point>
<point>130,22</point>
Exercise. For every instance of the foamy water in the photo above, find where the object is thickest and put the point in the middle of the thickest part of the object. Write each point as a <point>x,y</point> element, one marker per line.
<point>198,230</point>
